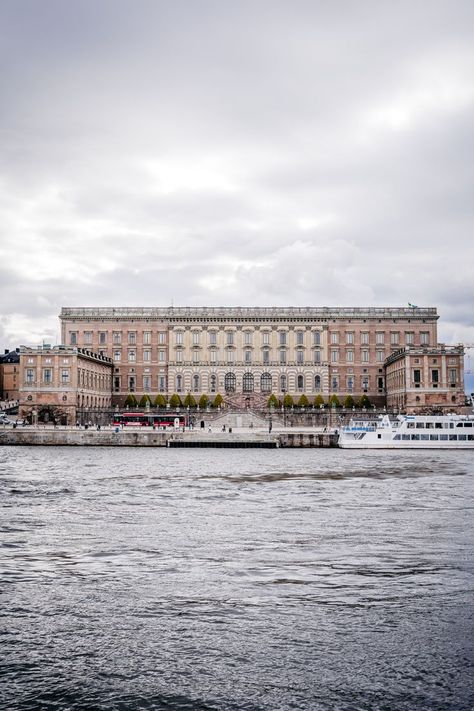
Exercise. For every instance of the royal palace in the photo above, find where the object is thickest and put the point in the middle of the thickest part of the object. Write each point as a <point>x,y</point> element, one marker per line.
<point>246,354</point>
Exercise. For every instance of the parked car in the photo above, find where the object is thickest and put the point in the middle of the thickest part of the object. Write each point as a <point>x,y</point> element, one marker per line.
<point>4,420</point>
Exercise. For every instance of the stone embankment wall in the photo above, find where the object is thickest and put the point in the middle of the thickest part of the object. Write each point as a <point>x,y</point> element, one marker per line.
<point>154,438</point>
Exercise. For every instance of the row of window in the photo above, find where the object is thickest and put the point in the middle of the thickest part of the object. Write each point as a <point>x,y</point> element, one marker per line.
<point>349,337</point>
<point>85,378</point>
<point>249,381</point>
<point>436,437</point>
<point>380,337</point>
<point>117,338</point>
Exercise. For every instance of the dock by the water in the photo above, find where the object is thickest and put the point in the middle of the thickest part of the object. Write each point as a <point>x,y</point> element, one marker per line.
<point>147,437</point>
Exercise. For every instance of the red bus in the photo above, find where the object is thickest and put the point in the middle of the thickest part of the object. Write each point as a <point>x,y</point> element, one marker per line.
<point>143,419</point>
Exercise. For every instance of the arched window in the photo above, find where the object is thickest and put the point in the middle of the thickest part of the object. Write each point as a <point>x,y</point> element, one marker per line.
<point>266,383</point>
<point>213,383</point>
<point>248,383</point>
<point>196,382</point>
<point>283,383</point>
<point>317,382</point>
<point>300,382</point>
<point>179,383</point>
<point>230,382</point>
<point>317,338</point>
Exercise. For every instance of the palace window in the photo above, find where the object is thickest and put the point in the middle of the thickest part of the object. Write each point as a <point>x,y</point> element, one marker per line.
<point>248,338</point>
<point>350,384</point>
<point>334,356</point>
<point>380,356</point>
<point>453,376</point>
<point>196,383</point>
<point>266,383</point>
<point>213,356</point>
<point>299,338</point>
<point>380,338</point>
<point>179,338</point>
<point>196,357</point>
<point>47,375</point>
<point>179,356</point>
<point>317,338</point>
<point>230,338</point>
<point>317,357</point>
<point>30,375</point>
<point>161,356</point>
<point>266,338</point>
<point>117,355</point>
<point>424,338</point>
<point>65,375</point>
<point>102,337</point>
<point>335,383</point>
<point>317,382</point>
<point>248,356</point>
<point>283,383</point>
<point>300,357</point>
<point>350,337</point>
<point>73,338</point>
<point>266,357</point>
<point>179,383</point>
<point>161,337</point>
<point>88,337</point>
<point>212,338</point>
<point>132,356</point>
<point>365,356</point>
<point>132,337</point>
<point>116,338</point>
<point>364,338</point>
<point>195,338</point>
<point>146,383</point>
<point>335,337</point>
<point>230,382</point>
<point>282,338</point>
<point>282,357</point>
<point>146,338</point>
<point>394,338</point>
<point>409,338</point>
<point>300,382</point>
<point>147,356</point>
<point>248,386</point>
<point>349,356</point>
<point>213,383</point>
<point>230,356</point>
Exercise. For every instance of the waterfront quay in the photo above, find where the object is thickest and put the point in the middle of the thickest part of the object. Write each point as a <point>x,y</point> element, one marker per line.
<point>287,437</point>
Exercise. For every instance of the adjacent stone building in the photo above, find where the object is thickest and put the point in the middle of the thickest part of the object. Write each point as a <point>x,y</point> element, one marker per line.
<point>9,375</point>
<point>247,353</point>
<point>426,378</point>
<point>56,382</point>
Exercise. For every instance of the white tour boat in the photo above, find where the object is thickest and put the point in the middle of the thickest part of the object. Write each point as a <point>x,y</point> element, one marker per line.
<point>410,432</point>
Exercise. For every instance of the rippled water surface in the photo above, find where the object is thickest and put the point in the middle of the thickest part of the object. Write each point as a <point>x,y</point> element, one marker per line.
<point>235,579</point>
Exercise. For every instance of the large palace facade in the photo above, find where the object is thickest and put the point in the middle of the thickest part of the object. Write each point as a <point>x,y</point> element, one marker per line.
<point>246,354</point>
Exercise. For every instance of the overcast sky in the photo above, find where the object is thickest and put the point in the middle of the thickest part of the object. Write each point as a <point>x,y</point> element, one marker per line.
<point>202,152</point>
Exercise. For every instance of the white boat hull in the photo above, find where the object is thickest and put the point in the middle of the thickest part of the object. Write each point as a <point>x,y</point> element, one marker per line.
<point>410,432</point>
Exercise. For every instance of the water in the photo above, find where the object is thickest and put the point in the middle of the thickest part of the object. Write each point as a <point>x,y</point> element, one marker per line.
<point>235,579</point>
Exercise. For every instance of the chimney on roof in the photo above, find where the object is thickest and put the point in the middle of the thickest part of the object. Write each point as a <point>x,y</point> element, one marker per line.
<point>6,351</point>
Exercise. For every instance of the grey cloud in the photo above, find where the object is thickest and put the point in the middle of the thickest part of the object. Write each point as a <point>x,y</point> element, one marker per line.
<point>232,153</point>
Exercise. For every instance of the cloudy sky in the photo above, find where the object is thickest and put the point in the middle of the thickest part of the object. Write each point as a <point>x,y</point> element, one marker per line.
<point>218,152</point>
